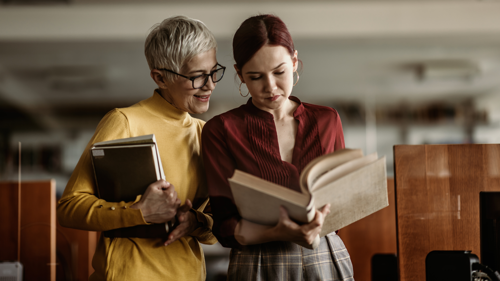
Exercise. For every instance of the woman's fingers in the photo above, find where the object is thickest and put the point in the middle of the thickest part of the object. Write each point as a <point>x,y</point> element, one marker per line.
<point>186,207</point>
<point>317,222</point>
<point>187,224</point>
<point>285,219</point>
<point>169,191</point>
<point>177,233</point>
<point>159,203</point>
<point>182,212</point>
<point>325,209</point>
<point>160,185</point>
<point>321,213</point>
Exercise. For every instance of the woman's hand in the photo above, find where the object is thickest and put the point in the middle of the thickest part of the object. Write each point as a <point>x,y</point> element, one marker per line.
<point>159,203</point>
<point>187,223</point>
<point>288,230</point>
<point>249,233</point>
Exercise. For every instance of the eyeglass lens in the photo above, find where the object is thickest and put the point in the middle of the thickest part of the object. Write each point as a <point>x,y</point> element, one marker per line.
<point>201,81</point>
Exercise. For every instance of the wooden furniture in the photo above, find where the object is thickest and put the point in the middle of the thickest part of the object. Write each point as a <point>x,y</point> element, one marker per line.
<point>75,250</point>
<point>48,250</point>
<point>375,234</point>
<point>437,199</point>
<point>38,227</point>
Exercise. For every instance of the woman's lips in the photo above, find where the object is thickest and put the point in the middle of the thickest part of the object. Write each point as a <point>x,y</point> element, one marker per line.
<point>205,98</point>
<point>273,98</point>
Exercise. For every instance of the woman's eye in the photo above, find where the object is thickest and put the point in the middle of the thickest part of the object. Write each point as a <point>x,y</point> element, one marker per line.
<point>255,78</point>
<point>279,73</point>
<point>196,77</point>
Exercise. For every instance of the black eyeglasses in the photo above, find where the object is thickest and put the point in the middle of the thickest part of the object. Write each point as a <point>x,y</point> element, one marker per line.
<point>201,80</point>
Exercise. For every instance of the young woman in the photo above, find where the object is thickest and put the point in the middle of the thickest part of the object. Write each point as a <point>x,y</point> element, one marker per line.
<point>273,136</point>
<point>181,54</point>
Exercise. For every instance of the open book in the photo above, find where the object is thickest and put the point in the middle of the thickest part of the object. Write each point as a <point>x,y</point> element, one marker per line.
<point>124,168</point>
<point>353,184</point>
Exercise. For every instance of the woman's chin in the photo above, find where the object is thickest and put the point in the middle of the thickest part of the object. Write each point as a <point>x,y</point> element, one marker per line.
<point>199,109</point>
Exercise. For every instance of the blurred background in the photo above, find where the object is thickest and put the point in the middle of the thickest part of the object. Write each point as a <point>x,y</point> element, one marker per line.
<point>398,72</point>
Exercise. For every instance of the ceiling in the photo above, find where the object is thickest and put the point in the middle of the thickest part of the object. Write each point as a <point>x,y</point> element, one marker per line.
<point>63,65</point>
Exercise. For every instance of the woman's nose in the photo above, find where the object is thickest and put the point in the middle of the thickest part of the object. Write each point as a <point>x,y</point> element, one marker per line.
<point>270,85</point>
<point>210,85</point>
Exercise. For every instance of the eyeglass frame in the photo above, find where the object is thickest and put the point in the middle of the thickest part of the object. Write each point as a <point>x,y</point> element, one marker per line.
<point>211,75</point>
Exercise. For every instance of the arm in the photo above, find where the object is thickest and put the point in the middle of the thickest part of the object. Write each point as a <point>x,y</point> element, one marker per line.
<point>80,208</point>
<point>249,233</point>
<point>219,165</point>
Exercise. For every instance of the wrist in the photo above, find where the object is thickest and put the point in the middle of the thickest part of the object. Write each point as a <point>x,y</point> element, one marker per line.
<point>274,233</point>
<point>138,206</point>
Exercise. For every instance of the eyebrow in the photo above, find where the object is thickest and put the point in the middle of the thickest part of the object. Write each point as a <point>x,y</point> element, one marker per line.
<point>195,71</point>
<point>255,72</point>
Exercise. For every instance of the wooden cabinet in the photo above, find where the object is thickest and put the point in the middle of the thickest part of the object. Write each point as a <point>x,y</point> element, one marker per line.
<point>38,227</point>
<point>48,251</point>
<point>437,199</point>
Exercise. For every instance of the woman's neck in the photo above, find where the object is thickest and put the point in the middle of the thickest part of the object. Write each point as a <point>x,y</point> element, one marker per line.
<point>284,112</point>
<point>165,94</point>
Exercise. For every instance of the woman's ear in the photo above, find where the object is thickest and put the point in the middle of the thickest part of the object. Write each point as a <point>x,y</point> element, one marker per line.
<point>295,60</point>
<point>239,73</point>
<point>159,79</point>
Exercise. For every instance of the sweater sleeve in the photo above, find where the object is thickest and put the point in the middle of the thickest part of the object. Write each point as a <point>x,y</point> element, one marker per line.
<point>204,232</point>
<point>219,166</point>
<point>79,207</point>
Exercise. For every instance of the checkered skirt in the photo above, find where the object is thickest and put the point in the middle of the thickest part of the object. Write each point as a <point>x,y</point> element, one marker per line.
<point>290,262</point>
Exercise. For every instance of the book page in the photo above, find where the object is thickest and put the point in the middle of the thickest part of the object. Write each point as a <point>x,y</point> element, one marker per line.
<point>160,165</point>
<point>342,170</point>
<point>325,163</point>
<point>353,196</point>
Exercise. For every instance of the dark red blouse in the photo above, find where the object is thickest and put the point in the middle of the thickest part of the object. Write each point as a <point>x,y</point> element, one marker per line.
<point>245,138</point>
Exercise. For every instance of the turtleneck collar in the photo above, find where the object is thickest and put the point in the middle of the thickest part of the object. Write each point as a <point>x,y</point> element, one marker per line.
<point>163,109</point>
<point>264,114</point>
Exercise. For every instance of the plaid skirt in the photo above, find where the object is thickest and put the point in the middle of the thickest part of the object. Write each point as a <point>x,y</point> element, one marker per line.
<point>289,262</point>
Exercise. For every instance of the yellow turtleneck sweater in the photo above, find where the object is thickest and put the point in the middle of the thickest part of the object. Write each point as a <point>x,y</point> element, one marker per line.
<point>178,137</point>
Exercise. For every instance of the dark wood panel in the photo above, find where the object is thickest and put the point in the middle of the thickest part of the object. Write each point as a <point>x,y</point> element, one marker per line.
<point>38,228</point>
<point>8,221</point>
<point>375,234</point>
<point>437,199</point>
<point>48,250</point>
<point>75,249</point>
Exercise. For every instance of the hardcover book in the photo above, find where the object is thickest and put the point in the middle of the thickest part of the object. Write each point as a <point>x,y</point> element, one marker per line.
<point>124,168</point>
<point>353,184</point>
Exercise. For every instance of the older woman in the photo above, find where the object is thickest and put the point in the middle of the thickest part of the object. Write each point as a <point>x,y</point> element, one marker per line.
<point>181,54</point>
<point>273,136</point>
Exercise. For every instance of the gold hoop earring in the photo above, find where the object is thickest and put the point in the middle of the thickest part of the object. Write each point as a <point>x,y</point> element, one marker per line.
<point>241,93</point>
<point>297,78</point>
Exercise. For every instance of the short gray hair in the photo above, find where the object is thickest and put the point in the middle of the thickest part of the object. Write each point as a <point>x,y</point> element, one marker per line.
<point>175,41</point>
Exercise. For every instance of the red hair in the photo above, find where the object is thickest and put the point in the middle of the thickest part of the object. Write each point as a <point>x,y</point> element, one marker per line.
<point>256,32</point>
